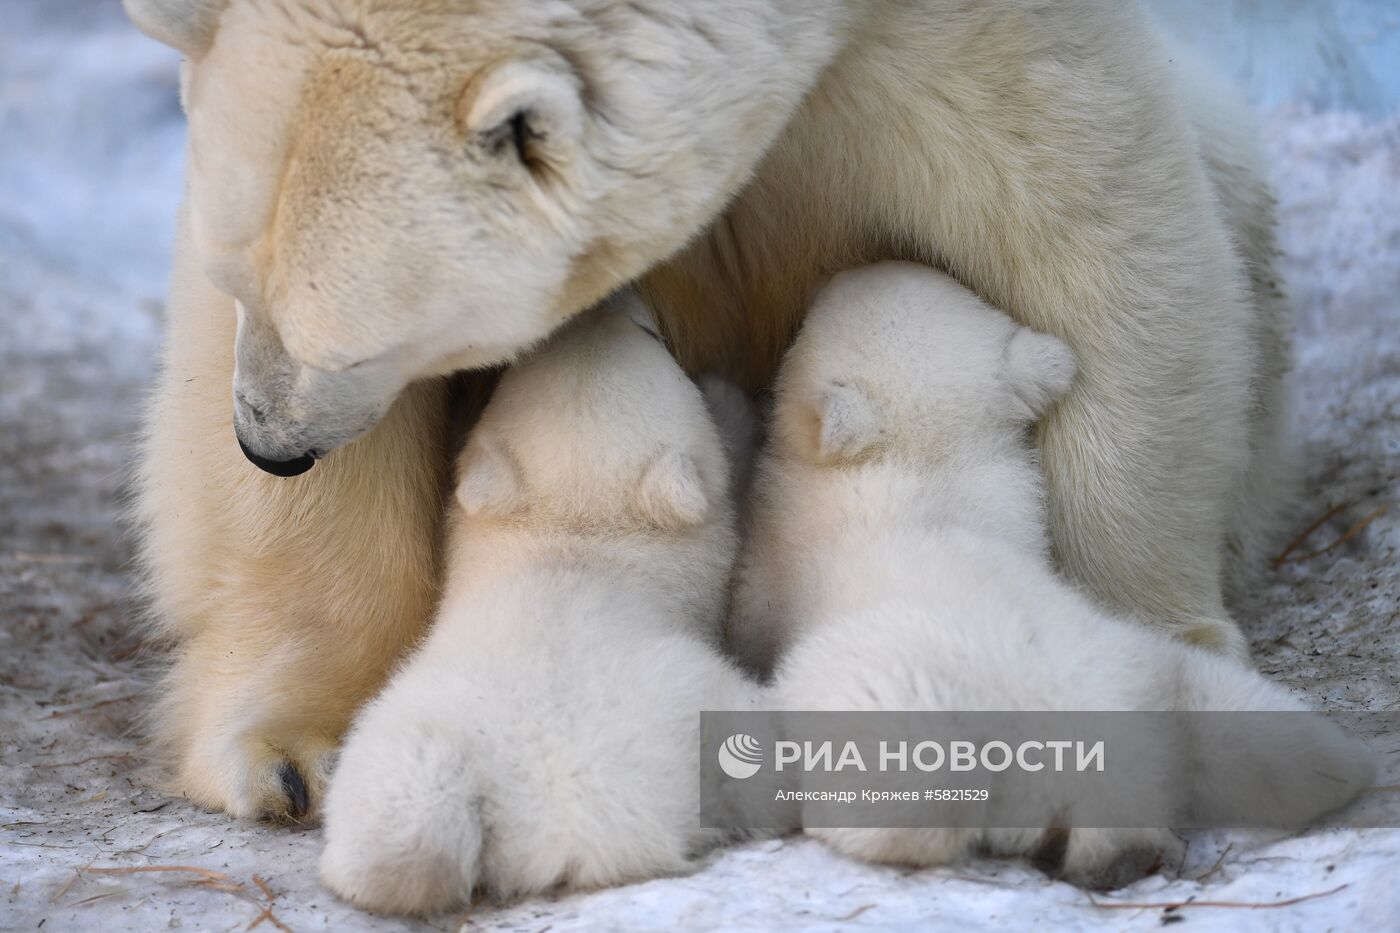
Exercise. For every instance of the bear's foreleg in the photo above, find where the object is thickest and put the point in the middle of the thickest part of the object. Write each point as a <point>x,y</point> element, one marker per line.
<point>286,600</point>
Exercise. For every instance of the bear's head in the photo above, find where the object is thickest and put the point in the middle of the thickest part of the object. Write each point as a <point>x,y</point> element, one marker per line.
<point>599,430</point>
<point>899,360</point>
<point>397,189</point>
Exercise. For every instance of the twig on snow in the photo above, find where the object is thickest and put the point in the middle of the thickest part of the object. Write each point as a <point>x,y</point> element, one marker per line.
<point>77,876</point>
<point>82,761</point>
<point>1346,536</point>
<point>206,873</point>
<point>1238,905</point>
<point>268,916</point>
<point>83,709</point>
<point>1218,863</point>
<point>1296,542</point>
<point>856,913</point>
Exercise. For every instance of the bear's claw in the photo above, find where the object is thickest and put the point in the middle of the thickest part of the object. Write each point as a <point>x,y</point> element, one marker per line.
<point>295,787</point>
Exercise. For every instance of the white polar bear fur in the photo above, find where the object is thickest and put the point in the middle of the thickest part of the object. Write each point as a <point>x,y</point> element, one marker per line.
<point>545,734</point>
<point>357,193</point>
<point>898,546</point>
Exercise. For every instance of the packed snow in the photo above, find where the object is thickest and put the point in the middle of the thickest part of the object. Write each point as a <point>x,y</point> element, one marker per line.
<point>90,162</point>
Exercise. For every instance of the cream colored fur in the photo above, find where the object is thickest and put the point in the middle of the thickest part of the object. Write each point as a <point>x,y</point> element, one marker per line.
<point>898,547</point>
<point>544,735</point>
<point>358,213</point>
<point>284,610</point>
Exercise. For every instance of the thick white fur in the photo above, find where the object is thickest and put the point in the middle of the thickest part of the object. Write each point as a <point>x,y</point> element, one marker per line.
<point>353,185</point>
<point>898,544</point>
<point>545,734</point>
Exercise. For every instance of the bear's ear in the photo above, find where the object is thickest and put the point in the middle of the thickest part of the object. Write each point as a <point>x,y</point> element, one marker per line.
<point>531,109</point>
<point>1039,369</point>
<point>185,25</point>
<point>488,482</point>
<point>847,424</point>
<point>672,491</point>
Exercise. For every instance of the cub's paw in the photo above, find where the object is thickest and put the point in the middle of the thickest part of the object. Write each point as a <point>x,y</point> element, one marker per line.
<point>922,848</point>
<point>403,813</point>
<point>1220,636</point>
<point>259,778</point>
<point>380,858</point>
<point>1098,859</point>
<point>1105,859</point>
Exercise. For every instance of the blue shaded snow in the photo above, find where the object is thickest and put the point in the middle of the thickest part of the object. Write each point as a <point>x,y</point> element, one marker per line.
<point>1326,54</point>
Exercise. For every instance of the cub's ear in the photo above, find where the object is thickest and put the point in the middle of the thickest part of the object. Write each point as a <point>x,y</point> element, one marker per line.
<point>488,483</point>
<point>1039,369</point>
<point>186,25</point>
<point>847,424</point>
<point>672,491</point>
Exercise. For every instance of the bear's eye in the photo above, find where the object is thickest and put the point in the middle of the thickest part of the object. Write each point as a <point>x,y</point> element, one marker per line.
<point>514,134</point>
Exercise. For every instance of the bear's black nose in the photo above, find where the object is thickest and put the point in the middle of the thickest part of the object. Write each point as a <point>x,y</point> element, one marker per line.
<point>294,467</point>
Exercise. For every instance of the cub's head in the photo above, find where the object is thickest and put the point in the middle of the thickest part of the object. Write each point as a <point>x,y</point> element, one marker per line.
<point>598,429</point>
<point>898,359</point>
<point>393,190</point>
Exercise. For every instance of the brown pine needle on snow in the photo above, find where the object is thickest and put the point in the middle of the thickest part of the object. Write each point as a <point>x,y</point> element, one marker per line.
<point>268,916</point>
<point>857,912</point>
<point>82,761</point>
<point>208,874</point>
<point>77,876</point>
<point>92,706</point>
<point>1296,542</point>
<point>1287,556</point>
<point>262,886</point>
<point>1238,905</point>
<point>207,878</point>
<point>1350,533</point>
<point>1219,863</point>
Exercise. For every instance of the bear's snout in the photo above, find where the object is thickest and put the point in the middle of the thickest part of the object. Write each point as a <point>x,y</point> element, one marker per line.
<point>278,456</point>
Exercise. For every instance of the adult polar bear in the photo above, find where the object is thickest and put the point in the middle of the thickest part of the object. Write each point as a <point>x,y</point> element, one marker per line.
<point>383,191</point>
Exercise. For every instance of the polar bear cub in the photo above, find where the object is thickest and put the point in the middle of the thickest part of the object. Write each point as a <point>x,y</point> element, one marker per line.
<point>897,558</point>
<point>545,733</point>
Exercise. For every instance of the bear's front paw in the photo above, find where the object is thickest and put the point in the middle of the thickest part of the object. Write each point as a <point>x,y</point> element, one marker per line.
<point>257,777</point>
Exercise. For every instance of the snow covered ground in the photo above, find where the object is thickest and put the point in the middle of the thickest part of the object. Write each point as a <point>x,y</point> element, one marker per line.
<point>90,137</point>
